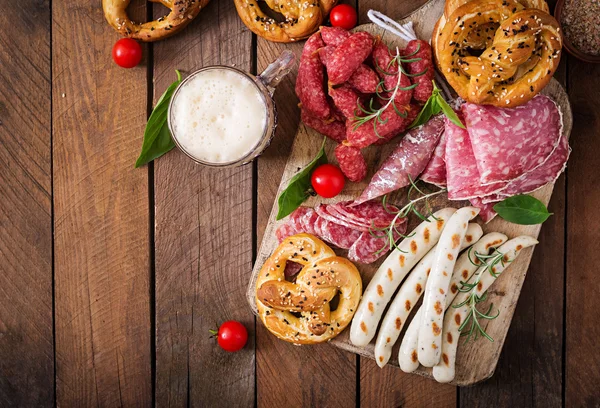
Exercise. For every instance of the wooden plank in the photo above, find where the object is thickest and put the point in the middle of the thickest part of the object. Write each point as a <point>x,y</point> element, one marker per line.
<point>203,238</point>
<point>582,363</point>
<point>529,372</point>
<point>307,369</point>
<point>102,257</point>
<point>26,342</point>
<point>390,386</point>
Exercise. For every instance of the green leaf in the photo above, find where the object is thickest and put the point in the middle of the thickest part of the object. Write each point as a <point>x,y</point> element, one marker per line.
<point>522,209</point>
<point>157,138</point>
<point>297,190</point>
<point>449,112</point>
<point>430,109</point>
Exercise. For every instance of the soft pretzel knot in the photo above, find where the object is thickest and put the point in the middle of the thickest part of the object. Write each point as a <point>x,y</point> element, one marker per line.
<point>301,18</point>
<point>519,59</point>
<point>182,12</point>
<point>299,312</point>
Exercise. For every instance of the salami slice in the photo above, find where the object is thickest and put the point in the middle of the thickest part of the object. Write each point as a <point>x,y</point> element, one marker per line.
<point>284,231</point>
<point>364,80</point>
<point>435,171</point>
<point>406,162</point>
<point>325,211</point>
<point>346,100</point>
<point>462,175</point>
<point>337,234</point>
<point>307,221</point>
<point>486,212</point>
<point>369,247</point>
<point>351,161</point>
<point>424,66</point>
<point>510,142</point>
<point>370,214</point>
<point>310,82</point>
<point>348,56</point>
<point>334,129</point>
<point>334,36</point>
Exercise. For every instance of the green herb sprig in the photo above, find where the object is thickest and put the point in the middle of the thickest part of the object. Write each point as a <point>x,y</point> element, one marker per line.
<point>157,137</point>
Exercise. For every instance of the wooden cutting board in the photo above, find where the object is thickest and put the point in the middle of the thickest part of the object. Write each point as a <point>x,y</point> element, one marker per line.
<point>476,361</point>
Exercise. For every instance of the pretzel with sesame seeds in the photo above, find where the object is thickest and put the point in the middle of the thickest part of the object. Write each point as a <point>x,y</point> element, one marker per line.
<point>182,13</point>
<point>516,64</point>
<point>301,18</point>
<point>300,311</point>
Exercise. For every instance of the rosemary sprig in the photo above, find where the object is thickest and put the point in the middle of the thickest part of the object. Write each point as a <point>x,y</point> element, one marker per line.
<point>390,231</point>
<point>373,114</point>
<point>486,262</point>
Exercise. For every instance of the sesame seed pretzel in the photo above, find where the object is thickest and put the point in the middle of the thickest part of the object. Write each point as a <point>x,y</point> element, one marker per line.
<point>514,67</point>
<point>301,18</point>
<point>299,312</point>
<point>182,12</point>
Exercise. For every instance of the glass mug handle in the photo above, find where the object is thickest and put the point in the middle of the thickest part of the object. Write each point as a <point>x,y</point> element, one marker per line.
<point>277,70</point>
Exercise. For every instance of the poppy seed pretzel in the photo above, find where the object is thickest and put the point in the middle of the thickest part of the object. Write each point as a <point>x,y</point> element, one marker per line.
<point>299,312</point>
<point>515,66</point>
<point>182,13</point>
<point>301,18</point>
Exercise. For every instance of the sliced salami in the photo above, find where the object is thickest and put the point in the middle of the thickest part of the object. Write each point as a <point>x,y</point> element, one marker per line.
<point>461,168</point>
<point>420,49</point>
<point>364,80</point>
<point>370,247</point>
<point>510,142</point>
<point>348,56</point>
<point>310,82</point>
<point>325,211</point>
<point>307,221</point>
<point>435,171</point>
<point>334,36</point>
<point>486,210</point>
<point>406,162</point>
<point>335,129</point>
<point>284,231</point>
<point>351,161</point>
<point>369,214</point>
<point>337,234</point>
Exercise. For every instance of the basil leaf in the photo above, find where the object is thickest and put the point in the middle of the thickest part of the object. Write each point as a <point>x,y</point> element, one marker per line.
<point>157,138</point>
<point>430,109</point>
<point>449,112</point>
<point>522,209</point>
<point>297,190</point>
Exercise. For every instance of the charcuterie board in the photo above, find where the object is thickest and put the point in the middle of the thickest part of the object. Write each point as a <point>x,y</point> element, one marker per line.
<point>476,360</point>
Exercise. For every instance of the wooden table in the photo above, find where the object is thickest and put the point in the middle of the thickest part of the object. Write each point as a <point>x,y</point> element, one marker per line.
<point>110,276</point>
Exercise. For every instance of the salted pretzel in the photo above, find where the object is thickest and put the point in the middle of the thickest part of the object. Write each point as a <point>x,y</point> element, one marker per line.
<point>482,36</point>
<point>301,18</point>
<point>182,12</point>
<point>514,67</point>
<point>299,312</point>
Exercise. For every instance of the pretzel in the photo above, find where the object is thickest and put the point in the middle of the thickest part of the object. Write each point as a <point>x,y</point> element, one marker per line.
<point>302,18</point>
<point>299,312</point>
<point>520,60</point>
<point>182,12</point>
<point>482,37</point>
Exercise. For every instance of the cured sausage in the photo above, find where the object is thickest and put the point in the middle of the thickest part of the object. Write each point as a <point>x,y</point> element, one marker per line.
<point>420,49</point>
<point>389,125</point>
<point>351,161</point>
<point>406,298</point>
<point>310,82</point>
<point>335,129</point>
<point>348,56</point>
<point>411,114</point>
<point>325,54</point>
<point>334,36</point>
<point>391,272</point>
<point>434,299</point>
<point>444,371</point>
<point>465,266</point>
<point>406,162</point>
<point>388,72</point>
<point>364,80</point>
<point>346,100</point>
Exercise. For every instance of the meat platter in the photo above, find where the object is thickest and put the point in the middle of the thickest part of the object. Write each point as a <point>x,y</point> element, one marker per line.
<point>476,361</point>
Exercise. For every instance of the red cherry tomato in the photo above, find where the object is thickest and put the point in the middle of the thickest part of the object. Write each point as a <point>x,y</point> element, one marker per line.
<point>232,335</point>
<point>327,180</point>
<point>343,16</point>
<point>127,53</point>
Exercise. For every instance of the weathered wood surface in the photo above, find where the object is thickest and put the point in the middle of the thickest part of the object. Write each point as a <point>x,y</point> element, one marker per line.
<point>203,238</point>
<point>26,341</point>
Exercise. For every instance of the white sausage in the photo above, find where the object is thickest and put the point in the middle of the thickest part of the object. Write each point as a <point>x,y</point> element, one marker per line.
<point>463,270</point>
<point>407,297</point>
<point>434,299</point>
<point>445,370</point>
<point>391,272</point>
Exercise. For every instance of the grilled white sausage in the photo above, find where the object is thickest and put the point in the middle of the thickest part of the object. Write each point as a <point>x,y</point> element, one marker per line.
<point>391,272</point>
<point>465,267</point>
<point>445,370</point>
<point>434,299</point>
<point>407,297</point>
